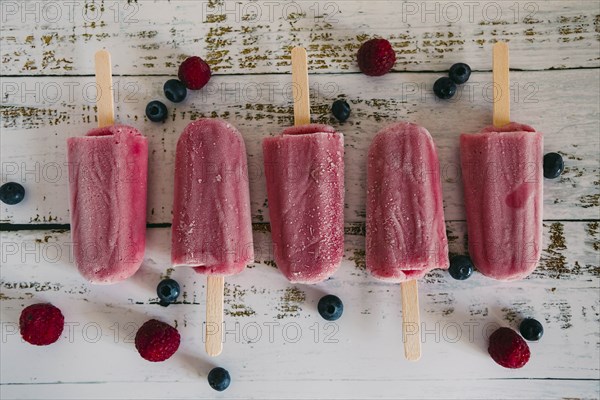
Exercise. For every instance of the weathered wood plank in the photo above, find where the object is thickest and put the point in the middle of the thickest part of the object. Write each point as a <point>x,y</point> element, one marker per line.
<point>301,389</point>
<point>149,37</point>
<point>457,318</point>
<point>38,114</point>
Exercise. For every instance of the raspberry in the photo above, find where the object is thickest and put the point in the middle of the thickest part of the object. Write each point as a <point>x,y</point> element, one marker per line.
<point>41,324</point>
<point>376,57</point>
<point>508,349</point>
<point>157,341</point>
<point>194,73</point>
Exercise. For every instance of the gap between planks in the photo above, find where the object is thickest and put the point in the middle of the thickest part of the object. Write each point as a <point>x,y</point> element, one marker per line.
<point>311,72</point>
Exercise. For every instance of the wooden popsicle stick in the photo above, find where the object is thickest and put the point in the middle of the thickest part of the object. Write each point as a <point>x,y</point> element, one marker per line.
<point>411,322</point>
<point>105,103</point>
<point>300,85</point>
<point>214,315</point>
<point>500,61</point>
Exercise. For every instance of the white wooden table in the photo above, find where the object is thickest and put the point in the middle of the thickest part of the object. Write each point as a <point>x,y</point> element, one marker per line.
<point>277,346</point>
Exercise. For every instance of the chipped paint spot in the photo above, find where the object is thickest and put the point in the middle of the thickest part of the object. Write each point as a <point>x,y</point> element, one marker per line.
<point>290,303</point>
<point>555,262</point>
<point>590,200</point>
<point>32,117</point>
<point>261,227</point>
<point>592,231</point>
<point>355,229</point>
<point>26,296</point>
<point>510,315</point>
<point>167,273</point>
<point>441,301</point>
<point>359,259</point>
<point>478,310</point>
<point>36,286</point>
<point>564,313</point>
<point>234,297</point>
<point>43,218</point>
<point>44,240</point>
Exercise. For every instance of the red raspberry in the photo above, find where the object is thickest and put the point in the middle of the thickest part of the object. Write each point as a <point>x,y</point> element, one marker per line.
<point>376,57</point>
<point>41,324</point>
<point>508,349</point>
<point>194,73</point>
<point>157,341</point>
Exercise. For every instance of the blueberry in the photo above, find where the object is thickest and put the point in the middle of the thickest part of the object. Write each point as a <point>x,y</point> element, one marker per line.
<point>444,88</point>
<point>330,307</point>
<point>461,267</point>
<point>553,165</point>
<point>175,90</point>
<point>219,379</point>
<point>340,110</point>
<point>156,111</point>
<point>531,329</point>
<point>460,73</point>
<point>12,193</point>
<point>168,291</point>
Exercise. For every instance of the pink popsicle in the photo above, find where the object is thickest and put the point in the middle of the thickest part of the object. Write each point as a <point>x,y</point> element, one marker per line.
<point>406,233</point>
<point>304,168</point>
<point>502,179</point>
<point>107,186</point>
<point>212,227</point>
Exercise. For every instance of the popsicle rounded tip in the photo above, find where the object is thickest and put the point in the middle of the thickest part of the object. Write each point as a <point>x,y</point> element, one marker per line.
<point>213,350</point>
<point>416,356</point>
<point>299,51</point>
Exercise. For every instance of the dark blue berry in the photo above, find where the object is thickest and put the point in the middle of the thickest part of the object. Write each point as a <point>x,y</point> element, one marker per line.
<point>168,291</point>
<point>553,165</point>
<point>531,329</point>
<point>461,267</point>
<point>12,193</point>
<point>156,111</point>
<point>460,73</point>
<point>340,110</point>
<point>330,307</point>
<point>444,88</point>
<point>175,90</point>
<point>219,379</point>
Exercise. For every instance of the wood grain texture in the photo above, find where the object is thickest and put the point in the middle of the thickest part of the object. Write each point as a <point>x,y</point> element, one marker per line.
<point>500,73</point>
<point>214,315</point>
<point>457,317</point>
<point>276,344</point>
<point>149,37</point>
<point>104,84</point>
<point>34,131</point>
<point>300,86</point>
<point>525,389</point>
<point>411,321</point>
